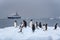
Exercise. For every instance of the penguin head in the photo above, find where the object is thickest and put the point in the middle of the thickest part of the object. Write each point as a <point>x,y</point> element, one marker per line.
<point>31,20</point>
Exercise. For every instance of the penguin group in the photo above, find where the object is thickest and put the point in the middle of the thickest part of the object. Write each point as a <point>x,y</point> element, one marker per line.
<point>33,25</point>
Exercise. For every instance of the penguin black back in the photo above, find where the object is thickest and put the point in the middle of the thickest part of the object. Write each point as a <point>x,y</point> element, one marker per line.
<point>46,27</point>
<point>33,27</point>
<point>25,23</point>
<point>40,25</point>
<point>56,26</point>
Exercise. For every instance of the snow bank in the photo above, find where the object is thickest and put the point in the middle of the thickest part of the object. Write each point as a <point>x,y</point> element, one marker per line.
<point>12,33</point>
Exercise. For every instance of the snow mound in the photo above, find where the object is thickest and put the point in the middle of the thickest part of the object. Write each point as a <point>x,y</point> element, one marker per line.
<point>40,38</point>
<point>12,33</point>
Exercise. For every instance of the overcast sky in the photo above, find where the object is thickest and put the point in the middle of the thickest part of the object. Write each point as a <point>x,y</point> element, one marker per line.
<point>30,8</point>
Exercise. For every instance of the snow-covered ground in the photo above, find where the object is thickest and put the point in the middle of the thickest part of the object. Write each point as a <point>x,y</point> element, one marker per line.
<point>12,33</point>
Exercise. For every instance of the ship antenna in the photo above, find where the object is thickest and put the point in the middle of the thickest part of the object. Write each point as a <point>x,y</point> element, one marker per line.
<point>16,13</point>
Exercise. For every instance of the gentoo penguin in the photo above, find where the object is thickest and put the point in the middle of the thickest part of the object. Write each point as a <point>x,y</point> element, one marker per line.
<point>20,28</point>
<point>56,26</point>
<point>24,23</point>
<point>36,24</point>
<point>15,23</point>
<point>31,22</point>
<point>33,27</point>
<point>40,25</point>
<point>44,26</point>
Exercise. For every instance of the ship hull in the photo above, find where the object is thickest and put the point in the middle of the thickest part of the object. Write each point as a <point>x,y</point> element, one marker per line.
<point>14,17</point>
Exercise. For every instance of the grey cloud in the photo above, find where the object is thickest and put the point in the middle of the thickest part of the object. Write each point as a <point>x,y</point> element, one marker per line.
<point>30,8</point>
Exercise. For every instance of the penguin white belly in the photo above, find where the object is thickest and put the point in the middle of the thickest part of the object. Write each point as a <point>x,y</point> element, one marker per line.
<point>43,27</point>
<point>35,25</point>
<point>15,24</point>
<point>30,24</point>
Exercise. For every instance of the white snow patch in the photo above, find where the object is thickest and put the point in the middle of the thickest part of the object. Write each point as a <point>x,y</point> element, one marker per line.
<point>12,33</point>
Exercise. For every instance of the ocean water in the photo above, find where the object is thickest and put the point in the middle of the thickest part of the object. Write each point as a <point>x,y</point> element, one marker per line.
<point>9,22</point>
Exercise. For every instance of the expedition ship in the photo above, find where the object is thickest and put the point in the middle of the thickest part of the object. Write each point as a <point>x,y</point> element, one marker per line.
<point>16,16</point>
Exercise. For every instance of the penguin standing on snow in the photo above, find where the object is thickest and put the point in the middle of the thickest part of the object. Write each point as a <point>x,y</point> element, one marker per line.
<point>56,26</point>
<point>40,25</point>
<point>20,29</point>
<point>15,23</point>
<point>25,23</point>
<point>33,27</point>
<point>36,24</point>
<point>31,22</point>
<point>46,27</point>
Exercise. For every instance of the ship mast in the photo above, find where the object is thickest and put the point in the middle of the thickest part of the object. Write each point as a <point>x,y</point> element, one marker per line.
<point>16,14</point>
